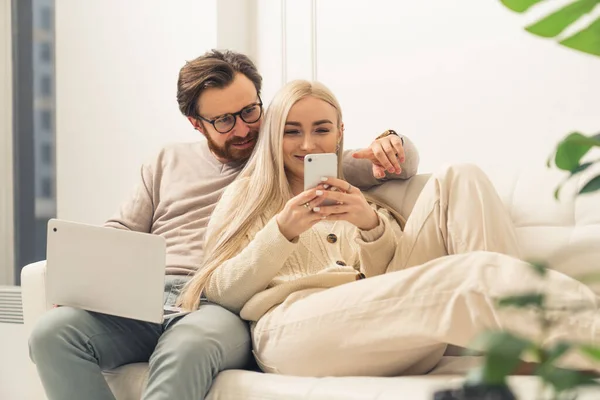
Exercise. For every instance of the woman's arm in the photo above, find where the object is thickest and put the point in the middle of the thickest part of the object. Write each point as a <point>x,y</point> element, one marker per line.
<point>378,246</point>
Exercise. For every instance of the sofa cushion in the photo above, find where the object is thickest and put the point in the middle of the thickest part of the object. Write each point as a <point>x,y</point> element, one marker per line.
<point>564,233</point>
<point>127,382</point>
<point>236,385</point>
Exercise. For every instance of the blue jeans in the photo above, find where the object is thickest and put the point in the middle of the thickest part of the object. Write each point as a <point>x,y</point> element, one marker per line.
<point>71,347</point>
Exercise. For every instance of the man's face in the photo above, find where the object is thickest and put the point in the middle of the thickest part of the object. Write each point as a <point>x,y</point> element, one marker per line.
<point>213,104</point>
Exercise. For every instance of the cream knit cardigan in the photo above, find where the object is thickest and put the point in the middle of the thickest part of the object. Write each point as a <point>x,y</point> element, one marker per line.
<point>270,267</point>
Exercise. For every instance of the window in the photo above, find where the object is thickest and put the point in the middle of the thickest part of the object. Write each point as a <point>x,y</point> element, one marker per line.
<point>33,138</point>
<point>46,85</point>
<point>46,155</point>
<point>46,190</point>
<point>46,120</point>
<point>45,52</point>
<point>46,18</point>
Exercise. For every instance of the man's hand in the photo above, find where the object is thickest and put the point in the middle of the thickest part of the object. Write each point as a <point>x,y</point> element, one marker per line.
<point>386,154</point>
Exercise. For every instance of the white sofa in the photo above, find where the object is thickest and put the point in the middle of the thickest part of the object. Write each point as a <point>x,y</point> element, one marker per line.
<point>565,233</point>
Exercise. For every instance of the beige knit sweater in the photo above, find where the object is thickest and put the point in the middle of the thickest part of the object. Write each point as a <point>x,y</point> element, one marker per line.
<point>270,268</point>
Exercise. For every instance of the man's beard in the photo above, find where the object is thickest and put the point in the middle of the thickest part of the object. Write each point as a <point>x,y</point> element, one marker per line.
<point>230,153</point>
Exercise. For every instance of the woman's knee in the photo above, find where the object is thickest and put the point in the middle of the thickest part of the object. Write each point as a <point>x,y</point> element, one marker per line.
<point>461,171</point>
<point>49,332</point>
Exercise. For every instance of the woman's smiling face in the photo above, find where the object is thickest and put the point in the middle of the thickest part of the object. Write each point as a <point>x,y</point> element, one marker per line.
<point>311,127</point>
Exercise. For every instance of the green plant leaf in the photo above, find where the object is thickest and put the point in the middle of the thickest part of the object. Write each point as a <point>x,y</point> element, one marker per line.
<point>591,186</point>
<point>572,148</point>
<point>502,356</point>
<point>582,167</point>
<point>586,40</point>
<point>595,138</point>
<point>522,300</point>
<point>564,379</point>
<point>590,351</point>
<point>558,21</point>
<point>520,5</point>
<point>557,191</point>
<point>556,351</point>
<point>577,170</point>
<point>581,139</point>
<point>539,267</point>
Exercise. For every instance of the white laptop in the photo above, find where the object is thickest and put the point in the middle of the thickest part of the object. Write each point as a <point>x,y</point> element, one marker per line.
<point>107,270</point>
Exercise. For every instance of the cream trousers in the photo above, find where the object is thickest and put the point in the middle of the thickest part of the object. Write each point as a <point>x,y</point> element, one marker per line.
<point>458,252</point>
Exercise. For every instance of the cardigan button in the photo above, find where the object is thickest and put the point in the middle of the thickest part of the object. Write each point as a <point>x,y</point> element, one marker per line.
<point>331,238</point>
<point>340,262</point>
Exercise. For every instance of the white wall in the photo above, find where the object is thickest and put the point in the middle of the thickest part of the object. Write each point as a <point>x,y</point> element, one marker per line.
<point>6,159</point>
<point>269,45</point>
<point>461,78</point>
<point>117,64</point>
<point>236,25</point>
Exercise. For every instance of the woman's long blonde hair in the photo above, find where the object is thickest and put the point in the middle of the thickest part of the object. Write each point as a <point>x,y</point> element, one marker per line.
<point>265,193</point>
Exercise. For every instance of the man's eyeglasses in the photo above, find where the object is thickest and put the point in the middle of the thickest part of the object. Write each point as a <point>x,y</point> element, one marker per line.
<point>225,123</point>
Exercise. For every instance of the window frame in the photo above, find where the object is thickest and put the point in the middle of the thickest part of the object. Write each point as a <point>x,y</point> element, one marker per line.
<point>7,248</point>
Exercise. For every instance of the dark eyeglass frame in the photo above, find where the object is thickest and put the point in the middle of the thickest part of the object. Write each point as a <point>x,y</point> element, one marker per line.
<point>235,115</point>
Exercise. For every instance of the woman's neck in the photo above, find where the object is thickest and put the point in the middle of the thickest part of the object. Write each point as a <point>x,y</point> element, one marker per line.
<point>296,184</point>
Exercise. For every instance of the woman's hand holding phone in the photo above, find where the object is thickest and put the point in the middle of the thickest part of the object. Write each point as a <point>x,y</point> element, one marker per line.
<point>350,205</point>
<point>298,216</point>
<point>306,209</point>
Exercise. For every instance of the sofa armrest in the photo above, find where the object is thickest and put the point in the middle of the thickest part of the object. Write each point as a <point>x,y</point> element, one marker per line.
<point>33,292</point>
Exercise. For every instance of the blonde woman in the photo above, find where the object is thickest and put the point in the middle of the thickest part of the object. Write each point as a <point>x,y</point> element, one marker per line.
<point>296,268</point>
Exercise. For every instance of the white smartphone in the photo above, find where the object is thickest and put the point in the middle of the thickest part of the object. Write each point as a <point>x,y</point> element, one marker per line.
<point>317,166</point>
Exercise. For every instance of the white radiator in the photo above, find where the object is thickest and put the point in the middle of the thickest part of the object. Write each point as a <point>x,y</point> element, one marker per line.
<point>11,306</point>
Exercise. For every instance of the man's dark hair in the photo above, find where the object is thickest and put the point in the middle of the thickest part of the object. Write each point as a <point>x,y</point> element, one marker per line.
<point>214,69</point>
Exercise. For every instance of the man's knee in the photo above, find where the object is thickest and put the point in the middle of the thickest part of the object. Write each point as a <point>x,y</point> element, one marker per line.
<point>49,332</point>
<point>219,339</point>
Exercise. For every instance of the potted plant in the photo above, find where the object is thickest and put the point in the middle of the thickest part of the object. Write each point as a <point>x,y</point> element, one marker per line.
<point>503,351</point>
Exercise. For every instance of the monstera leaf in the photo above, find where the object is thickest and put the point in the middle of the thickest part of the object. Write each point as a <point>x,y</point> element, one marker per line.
<point>586,40</point>
<point>568,157</point>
